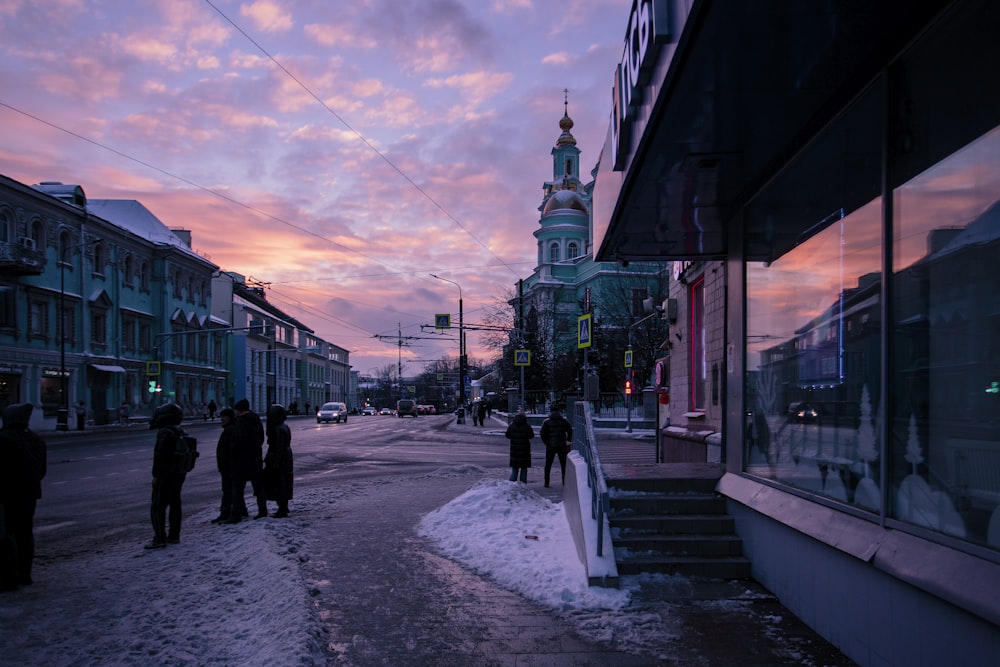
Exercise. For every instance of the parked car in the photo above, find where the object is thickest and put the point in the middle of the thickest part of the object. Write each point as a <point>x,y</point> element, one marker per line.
<point>405,407</point>
<point>368,411</point>
<point>332,412</point>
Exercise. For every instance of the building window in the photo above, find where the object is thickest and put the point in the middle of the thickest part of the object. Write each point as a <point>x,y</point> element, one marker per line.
<point>697,335</point>
<point>144,276</point>
<point>38,321</point>
<point>128,333</point>
<point>572,250</point>
<point>99,327</point>
<point>99,259</point>
<point>145,337</point>
<point>8,307</point>
<point>65,250</point>
<point>128,274</point>
<point>553,253</point>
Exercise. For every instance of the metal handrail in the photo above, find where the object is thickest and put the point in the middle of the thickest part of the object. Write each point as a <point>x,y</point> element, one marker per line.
<point>586,443</point>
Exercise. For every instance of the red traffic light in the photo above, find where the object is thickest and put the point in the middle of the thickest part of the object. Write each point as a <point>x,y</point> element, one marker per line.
<point>628,386</point>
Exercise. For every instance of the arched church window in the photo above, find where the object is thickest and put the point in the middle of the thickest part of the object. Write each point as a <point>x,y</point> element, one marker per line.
<point>572,251</point>
<point>554,252</point>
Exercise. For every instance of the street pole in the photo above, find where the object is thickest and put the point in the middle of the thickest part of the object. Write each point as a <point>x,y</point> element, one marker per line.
<point>62,415</point>
<point>461,342</point>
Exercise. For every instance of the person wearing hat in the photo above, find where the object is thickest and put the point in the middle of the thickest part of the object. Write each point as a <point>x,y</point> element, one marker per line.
<point>246,456</point>
<point>222,460</point>
<point>22,467</point>
<point>167,478</point>
<point>556,433</point>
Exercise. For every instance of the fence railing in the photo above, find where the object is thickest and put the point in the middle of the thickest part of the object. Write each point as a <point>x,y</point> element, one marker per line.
<point>585,442</point>
<point>609,404</point>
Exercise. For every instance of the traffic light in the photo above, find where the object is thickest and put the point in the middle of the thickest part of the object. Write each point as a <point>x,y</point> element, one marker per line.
<point>628,387</point>
<point>152,386</point>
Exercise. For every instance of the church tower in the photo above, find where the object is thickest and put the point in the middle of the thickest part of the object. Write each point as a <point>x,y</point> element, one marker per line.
<point>564,233</point>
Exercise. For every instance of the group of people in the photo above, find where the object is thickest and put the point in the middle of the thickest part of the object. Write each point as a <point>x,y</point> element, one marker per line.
<point>556,433</point>
<point>240,458</point>
<point>23,461</point>
<point>479,410</point>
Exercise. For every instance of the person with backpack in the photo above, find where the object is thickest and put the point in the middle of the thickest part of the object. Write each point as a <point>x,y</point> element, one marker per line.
<point>173,458</point>
<point>278,461</point>
<point>556,433</point>
<point>22,467</point>
<point>246,456</point>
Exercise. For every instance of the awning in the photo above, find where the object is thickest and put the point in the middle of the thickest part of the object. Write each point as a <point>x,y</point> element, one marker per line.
<point>107,369</point>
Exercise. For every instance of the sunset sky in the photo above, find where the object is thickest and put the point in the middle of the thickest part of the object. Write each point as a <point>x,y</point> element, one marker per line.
<point>338,151</point>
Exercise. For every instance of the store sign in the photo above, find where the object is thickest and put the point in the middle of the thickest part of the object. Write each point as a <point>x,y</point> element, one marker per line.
<point>648,29</point>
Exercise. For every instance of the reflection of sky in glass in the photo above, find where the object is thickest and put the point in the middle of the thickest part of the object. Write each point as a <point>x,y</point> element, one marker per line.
<point>951,194</point>
<point>805,282</point>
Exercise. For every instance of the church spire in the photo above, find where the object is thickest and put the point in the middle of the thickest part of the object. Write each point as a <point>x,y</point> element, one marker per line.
<point>566,123</point>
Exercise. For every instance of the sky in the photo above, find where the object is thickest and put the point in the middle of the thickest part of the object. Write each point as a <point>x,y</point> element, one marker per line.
<point>338,153</point>
<point>79,611</point>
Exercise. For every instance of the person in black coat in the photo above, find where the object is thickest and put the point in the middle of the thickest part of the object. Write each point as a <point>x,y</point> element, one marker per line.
<point>556,433</point>
<point>167,478</point>
<point>222,460</point>
<point>278,461</point>
<point>246,456</point>
<point>520,434</point>
<point>23,462</point>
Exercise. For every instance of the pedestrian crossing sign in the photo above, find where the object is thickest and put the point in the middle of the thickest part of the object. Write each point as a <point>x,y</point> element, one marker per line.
<point>522,357</point>
<point>583,331</point>
<point>628,358</point>
<point>442,321</point>
<point>152,368</point>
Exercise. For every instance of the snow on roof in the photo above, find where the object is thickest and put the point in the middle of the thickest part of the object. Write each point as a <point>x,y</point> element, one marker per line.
<point>132,216</point>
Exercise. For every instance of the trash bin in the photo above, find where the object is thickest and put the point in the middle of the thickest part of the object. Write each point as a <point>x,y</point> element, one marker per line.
<point>460,416</point>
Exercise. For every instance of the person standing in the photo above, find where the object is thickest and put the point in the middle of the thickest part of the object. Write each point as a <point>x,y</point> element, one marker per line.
<point>246,455</point>
<point>481,410</point>
<point>23,461</point>
<point>222,460</point>
<point>557,434</point>
<point>81,414</point>
<point>168,476</point>
<point>278,461</point>
<point>520,434</point>
<point>212,407</point>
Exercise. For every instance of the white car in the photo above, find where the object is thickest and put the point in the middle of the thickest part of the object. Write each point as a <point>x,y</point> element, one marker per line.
<point>332,412</point>
<point>368,411</point>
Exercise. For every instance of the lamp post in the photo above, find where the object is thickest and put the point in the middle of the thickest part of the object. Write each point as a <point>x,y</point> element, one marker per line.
<point>62,414</point>
<point>461,343</point>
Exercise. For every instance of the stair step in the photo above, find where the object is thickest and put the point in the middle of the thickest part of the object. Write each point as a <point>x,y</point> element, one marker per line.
<point>733,567</point>
<point>668,503</point>
<point>673,524</point>
<point>707,546</point>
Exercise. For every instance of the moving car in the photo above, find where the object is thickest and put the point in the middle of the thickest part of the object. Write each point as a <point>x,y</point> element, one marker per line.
<point>385,411</point>
<point>368,411</point>
<point>332,412</point>
<point>405,407</point>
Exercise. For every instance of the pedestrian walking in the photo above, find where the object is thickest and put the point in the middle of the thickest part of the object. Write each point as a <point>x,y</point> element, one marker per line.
<point>481,413</point>
<point>169,471</point>
<point>124,412</point>
<point>278,460</point>
<point>224,464</point>
<point>557,434</point>
<point>247,460</point>
<point>23,463</point>
<point>520,434</point>
<point>212,407</point>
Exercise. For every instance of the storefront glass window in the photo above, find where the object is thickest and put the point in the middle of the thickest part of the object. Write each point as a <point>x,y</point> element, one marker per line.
<point>813,359</point>
<point>945,472</point>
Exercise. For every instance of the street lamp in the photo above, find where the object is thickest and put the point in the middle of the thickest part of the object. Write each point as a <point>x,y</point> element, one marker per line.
<point>461,342</point>
<point>62,414</point>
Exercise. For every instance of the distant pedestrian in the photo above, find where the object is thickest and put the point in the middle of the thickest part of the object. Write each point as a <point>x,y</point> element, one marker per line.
<point>481,412</point>
<point>557,434</point>
<point>212,407</point>
<point>247,459</point>
<point>307,408</point>
<point>278,460</point>
<point>520,434</point>
<point>81,415</point>
<point>168,476</point>
<point>224,464</point>
<point>23,463</point>
<point>124,412</point>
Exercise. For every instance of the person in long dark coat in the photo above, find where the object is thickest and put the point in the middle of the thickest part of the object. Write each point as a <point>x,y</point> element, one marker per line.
<point>520,434</point>
<point>278,460</point>
<point>222,459</point>
<point>247,459</point>
<point>557,434</point>
<point>23,462</point>
<point>165,501</point>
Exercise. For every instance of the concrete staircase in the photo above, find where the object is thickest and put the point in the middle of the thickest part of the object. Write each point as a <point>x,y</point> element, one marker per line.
<point>674,525</point>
